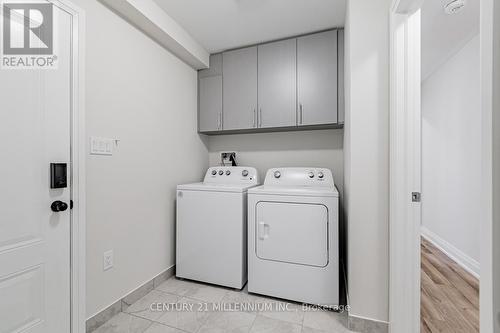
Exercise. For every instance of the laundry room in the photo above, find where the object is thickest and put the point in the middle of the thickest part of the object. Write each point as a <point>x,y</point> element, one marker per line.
<point>189,121</point>
<point>243,166</point>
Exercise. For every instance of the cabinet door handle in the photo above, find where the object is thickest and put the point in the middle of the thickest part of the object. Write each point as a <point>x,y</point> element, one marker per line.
<point>300,113</point>
<point>221,121</point>
<point>254,117</point>
<point>260,117</point>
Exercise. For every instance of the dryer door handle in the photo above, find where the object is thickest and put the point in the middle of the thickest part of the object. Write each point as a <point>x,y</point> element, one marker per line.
<point>263,230</point>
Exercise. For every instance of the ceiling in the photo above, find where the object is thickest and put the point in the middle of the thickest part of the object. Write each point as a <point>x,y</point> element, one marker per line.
<point>224,24</point>
<point>443,35</point>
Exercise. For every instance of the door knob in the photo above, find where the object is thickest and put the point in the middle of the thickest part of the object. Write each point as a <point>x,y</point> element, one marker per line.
<point>59,206</point>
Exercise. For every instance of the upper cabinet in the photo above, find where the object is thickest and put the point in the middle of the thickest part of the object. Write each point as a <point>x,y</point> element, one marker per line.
<point>277,84</point>
<point>340,73</point>
<point>290,84</point>
<point>317,78</point>
<point>239,91</point>
<point>210,96</point>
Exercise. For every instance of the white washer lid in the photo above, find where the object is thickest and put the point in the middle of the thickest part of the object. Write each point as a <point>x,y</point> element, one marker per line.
<point>302,191</point>
<point>235,188</point>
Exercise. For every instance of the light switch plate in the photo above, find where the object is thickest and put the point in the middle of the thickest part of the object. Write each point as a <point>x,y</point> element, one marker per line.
<point>101,146</point>
<point>107,260</point>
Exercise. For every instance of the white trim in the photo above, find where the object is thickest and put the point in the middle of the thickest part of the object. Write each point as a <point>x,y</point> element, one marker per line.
<point>463,260</point>
<point>404,215</point>
<point>78,221</point>
<point>368,319</point>
<point>490,157</point>
<point>406,6</point>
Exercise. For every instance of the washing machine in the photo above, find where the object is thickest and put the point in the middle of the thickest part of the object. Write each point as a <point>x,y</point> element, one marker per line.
<point>293,236</point>
<point>211,227</point>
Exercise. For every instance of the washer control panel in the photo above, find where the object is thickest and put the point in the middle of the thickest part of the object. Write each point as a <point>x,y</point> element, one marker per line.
<point>320,177</point>
<point>232,175</point>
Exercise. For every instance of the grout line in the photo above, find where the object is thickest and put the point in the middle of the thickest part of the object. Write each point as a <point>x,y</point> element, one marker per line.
<point>156,322</point>
<point>253,322</point>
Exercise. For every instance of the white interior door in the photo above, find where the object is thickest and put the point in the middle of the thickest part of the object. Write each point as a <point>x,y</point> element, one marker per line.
<point>295,233</point>
<point>35,118</point>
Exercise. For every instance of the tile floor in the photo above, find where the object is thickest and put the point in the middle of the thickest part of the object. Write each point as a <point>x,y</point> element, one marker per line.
<point>191,307</point>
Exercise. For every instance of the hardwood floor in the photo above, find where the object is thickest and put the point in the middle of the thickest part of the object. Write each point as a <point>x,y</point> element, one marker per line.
<point>449,294</point>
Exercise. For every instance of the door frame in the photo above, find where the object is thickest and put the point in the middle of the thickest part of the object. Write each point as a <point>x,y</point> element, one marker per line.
<point>489,290</point>
<point>405,168</point>
<point>405,119</point>
<point>78,155</point>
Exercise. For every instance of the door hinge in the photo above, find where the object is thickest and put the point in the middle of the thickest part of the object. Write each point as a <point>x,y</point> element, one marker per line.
<point>415,196</point>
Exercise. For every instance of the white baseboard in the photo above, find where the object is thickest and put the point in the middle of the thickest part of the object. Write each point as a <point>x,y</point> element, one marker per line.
<point>466,262</point>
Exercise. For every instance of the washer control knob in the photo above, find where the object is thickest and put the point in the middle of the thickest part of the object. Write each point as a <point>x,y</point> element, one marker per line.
<point>277,174</point>
<point>320,175</point>
<point>221,172</point>
<point>228,172</point>
<point>244,173</point>
<point>311,174</point>
<point>214,172</point>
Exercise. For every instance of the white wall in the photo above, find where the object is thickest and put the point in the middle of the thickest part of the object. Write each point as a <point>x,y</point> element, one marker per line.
<point>366,145</point>
<point>451,156</point>
<point>146,97</point>
<point>319,148</point>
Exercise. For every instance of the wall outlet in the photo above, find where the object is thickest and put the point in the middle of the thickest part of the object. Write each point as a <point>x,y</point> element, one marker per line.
<point>107,260</point>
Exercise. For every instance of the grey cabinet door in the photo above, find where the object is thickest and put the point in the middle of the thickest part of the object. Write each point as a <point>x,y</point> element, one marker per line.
<point>340,81</point>
<point>210,103</point>
<point>277,84</point>
<point>240,88</point>
<point>317,78</point>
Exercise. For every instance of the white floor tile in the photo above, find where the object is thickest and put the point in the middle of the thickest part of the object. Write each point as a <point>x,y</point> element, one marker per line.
<point>228,322</point>
<point>142,307</point>
<point>200,291</point>
<point>124,323</point>
<point>311,330</point>
<point>159,328</point>
<point>268,325</point>
<point>289,312</point>
<point>200,308</point>
<point>176,286</point>
<point>323,320</point>
<point>189,315</point>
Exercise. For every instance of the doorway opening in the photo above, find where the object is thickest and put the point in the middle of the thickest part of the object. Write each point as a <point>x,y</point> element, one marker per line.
<point>450,166</point>
<point>437,189</point>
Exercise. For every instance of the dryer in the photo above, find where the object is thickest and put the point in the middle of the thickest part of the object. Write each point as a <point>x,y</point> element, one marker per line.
<point>211,232</point>
<point>293,236</point>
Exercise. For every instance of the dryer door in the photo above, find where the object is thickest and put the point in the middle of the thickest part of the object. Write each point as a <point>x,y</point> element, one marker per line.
<point>294,233</point>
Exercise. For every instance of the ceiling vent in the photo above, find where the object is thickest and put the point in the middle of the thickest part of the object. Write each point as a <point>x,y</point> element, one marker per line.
<point>453,7</point>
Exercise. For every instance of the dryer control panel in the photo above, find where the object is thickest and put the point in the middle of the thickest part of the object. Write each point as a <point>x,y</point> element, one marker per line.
<point>316,177</point>
<point>231,175</point>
